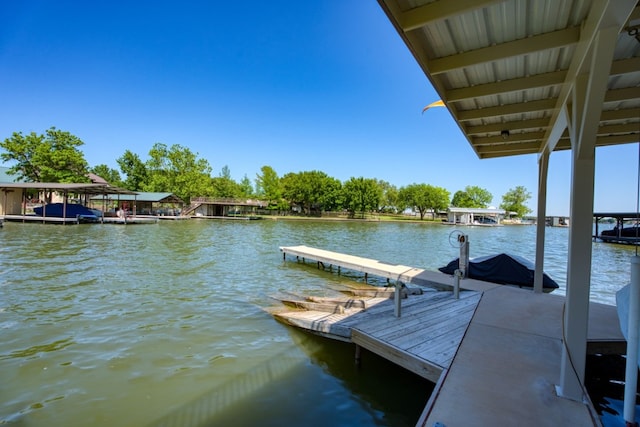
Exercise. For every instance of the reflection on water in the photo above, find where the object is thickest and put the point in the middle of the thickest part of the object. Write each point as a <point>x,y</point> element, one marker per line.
<point>126,325</point>
<point>604,379</point>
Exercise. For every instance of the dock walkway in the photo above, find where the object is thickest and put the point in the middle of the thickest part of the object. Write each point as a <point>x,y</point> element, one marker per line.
<point>397,272</point>
<point>494,354</point>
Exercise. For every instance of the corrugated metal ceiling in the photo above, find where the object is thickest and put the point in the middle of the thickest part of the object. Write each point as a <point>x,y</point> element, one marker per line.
<point>509,66</point>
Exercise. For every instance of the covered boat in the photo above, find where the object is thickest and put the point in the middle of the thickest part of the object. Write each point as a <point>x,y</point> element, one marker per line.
<point>504,269</point>
<point>72,210</point>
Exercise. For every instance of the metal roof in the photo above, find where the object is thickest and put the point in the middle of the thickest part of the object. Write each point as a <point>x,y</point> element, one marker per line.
<point>73,187</point>
<point>477,210</point>
<point>507,69</point>
<point>154,197</point>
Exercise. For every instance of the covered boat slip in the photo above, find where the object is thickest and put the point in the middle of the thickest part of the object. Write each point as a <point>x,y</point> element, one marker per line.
<point>534,79</point>
<point>494,354</point>
<point>626,229</point>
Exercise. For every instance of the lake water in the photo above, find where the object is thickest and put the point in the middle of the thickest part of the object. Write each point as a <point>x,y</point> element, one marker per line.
<point>165,324</point>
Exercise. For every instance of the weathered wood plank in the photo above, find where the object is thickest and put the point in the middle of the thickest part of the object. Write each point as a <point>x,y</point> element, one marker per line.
<point>315,321</point>
<point>443,350</point>
<point>398,356</point>
<point>345,302</point>
<point>318,306</point>
<point>441,321</point>
<point>412,312</point>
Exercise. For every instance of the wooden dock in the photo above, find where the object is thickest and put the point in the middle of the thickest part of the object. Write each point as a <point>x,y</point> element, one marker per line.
<point>41,219</point>
<point>367,266</point>
<point>494,354</point>
<point>423,340</point>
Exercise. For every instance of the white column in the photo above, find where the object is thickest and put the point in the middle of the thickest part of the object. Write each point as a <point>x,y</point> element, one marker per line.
<point>631,373</point>
<point>576,314</point>
<point>588,96</point>
<point>543,168</point>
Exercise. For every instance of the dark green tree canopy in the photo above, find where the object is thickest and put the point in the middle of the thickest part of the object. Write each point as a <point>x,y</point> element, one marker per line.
<point>52,157</point>
<point>269,188</point>
<point>424,198</point>
<point>135,171</point>
<point>389,200</point>
<point>472,197</point>
<point>246,187</point>
<point>312,190</point>
<point>514,201</point>
<point>110,175</point>
<point>361,195</point>
<point>178,170</point>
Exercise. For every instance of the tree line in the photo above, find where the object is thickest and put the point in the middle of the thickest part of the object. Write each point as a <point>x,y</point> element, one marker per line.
<point>55,156</point>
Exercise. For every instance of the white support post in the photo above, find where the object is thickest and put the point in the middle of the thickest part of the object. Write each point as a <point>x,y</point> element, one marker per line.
<point>631,373</point>
<point>589,92</point>
<point>576,314</point>
<point>543,169</point>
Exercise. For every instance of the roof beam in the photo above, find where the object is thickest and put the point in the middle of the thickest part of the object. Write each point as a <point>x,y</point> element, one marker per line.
<point>625,114</point>
<point>552,40</point>
<point>420,16</point>
<point>507,109</point>
<point>625,66</point>
<point>511,139</point>
<point>510,126</point>
<point>627,128</point>
<point>512,85</point>
<point>590,27</point>
<point>620,67</point>
<point>532,147</point>
<point>624,94</point>
<point>602,141</point>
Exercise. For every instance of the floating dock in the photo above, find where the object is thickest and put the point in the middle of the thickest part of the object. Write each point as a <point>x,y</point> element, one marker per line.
<point>494,353</point>
<point>367,266</point>
<point>138,219</point>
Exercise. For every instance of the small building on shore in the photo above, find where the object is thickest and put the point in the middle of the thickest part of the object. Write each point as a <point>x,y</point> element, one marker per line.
<point>143,203</point>
<point>475,216</point>
<point>213,207</point>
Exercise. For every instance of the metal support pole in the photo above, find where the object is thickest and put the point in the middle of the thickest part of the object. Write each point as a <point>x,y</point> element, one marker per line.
<point>456,283</point>
<point>463,262</point>
<point>631,373</point>
<point>396,299</point>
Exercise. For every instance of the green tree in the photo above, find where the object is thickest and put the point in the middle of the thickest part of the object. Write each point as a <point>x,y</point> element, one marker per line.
<point>52,157</point>
<point>312,190</point>
<point>269,188</point>
<point>514,201</point>
<point>224,186</point>
<point>472,197</point>
<point>424,198</point>
<point>110,175</point>
<point>361,195</point>
<point>134,169</point>
<point>389,200</point>
<point>178,170</point>
<point>246,187</point>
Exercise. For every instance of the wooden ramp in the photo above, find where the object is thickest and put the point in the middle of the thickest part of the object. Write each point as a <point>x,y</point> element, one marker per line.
<point>423,340</point>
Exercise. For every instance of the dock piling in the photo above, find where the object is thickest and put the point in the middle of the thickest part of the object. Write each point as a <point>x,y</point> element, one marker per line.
<point>397,299</point>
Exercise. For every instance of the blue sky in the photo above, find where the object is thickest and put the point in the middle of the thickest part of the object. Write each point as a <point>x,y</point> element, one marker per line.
<point>297,85</point>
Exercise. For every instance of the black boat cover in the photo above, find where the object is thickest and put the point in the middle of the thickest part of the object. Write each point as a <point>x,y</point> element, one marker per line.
<point>503,269</point>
